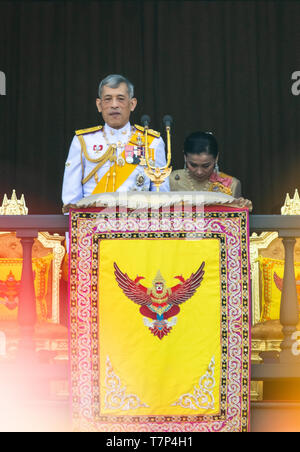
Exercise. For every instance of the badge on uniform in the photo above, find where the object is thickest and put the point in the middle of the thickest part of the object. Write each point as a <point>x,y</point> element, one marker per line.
<point>134,154</point>
<point>97,148</point>
<point>140,180</point>
<point>129,153</point>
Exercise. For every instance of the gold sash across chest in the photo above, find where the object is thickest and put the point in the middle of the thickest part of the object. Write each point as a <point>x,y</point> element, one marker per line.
<point>115,176</point>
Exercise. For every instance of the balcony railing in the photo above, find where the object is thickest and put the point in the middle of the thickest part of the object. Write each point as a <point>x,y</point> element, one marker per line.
<point>284,369</point>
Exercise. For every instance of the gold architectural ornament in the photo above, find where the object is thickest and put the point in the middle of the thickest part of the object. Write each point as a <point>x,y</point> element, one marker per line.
<point>158,175</point>
<point>52,242</point>
<point>291,206</point>
<point>13,206</point>
<point>259,244</point>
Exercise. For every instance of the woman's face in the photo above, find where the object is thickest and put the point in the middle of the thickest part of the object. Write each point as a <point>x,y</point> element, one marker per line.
<point>200,166</point>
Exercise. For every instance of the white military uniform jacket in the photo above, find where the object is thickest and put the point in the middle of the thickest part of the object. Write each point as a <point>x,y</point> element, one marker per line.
<point>97,141</point>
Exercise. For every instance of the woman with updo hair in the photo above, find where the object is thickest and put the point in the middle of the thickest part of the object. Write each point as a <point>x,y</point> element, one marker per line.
<point>201,172</point>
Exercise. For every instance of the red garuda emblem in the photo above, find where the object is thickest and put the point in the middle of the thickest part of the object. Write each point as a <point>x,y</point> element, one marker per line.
<point>159,304</point>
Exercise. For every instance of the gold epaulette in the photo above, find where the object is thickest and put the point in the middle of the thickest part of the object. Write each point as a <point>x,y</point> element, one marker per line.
<point>150,131</point>
<point>90,130</point>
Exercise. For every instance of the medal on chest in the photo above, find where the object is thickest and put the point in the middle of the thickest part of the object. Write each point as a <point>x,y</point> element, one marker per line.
<point>135,153</point>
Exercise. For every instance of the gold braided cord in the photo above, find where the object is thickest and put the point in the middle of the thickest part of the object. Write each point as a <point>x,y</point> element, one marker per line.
<point>114,177</point>
<point>107,179</point>
<point>109,155</point>
<point>102,159</point>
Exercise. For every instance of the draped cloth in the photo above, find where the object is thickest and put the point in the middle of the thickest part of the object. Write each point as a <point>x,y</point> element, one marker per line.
<point>146,361</point>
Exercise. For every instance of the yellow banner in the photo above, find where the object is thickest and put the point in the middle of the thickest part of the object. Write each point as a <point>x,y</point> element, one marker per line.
<point>10,277</point>
<point>142,373</point>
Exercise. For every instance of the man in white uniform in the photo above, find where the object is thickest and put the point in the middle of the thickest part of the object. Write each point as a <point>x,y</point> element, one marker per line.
<point>111,158</point>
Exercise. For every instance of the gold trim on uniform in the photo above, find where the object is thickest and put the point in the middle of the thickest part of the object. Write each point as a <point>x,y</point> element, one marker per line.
<point>89,130</point>
<point>150,131</point>
<point>111,154</point>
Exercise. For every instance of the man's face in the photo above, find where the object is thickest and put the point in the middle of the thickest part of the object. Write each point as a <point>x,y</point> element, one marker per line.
<point>116,106</point>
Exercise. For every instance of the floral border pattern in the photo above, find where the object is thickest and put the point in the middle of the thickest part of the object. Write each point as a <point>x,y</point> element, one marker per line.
<point>87,228</point>
<point>202,397</point>
<point>116,397</point>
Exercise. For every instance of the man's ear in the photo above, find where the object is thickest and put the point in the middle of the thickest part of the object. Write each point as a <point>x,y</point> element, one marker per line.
<point>133,103</point>
<point>98,104</point>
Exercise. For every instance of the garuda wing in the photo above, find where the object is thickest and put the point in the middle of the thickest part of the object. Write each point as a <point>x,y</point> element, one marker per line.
<point>131,289</point>
<point>187,289</point>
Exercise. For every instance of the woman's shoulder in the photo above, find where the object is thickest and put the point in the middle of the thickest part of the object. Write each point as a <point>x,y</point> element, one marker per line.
<point>222,178</point>
<point>179,180</point>
<point>177,174</point>
<point>231,182</point>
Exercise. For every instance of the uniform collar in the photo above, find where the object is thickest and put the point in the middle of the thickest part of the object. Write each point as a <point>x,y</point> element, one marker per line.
<point>117,132</point>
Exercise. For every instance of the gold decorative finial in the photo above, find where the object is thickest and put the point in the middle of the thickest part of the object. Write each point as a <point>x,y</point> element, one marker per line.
<point>13,206</point>
<point>291,206</point>
<point>158,174</point>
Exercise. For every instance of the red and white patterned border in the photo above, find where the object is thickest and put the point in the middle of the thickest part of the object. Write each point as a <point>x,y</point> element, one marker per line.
<point>232,225</point>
